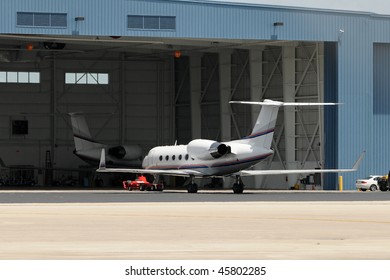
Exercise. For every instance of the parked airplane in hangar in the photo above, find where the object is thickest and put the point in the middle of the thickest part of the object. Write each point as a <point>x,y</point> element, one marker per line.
<point>208,158</point>
<point>89,150</point>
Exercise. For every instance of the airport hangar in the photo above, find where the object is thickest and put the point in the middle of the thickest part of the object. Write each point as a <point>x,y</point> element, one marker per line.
<point>156,72</point>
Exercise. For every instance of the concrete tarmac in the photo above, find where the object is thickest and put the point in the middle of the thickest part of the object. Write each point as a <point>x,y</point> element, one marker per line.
<point>234,228</point>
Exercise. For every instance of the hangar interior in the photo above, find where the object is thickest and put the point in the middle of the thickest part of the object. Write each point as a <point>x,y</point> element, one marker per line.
<point>156,91</point>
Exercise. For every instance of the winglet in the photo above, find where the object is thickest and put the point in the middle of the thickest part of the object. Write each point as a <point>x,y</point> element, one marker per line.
<point>357,163</point>
<point>102,163</point>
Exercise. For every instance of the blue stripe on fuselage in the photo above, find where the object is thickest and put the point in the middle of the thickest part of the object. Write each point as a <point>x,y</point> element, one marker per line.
<point>257,158</point>
<point>259,134</point>
<point>222,164</point>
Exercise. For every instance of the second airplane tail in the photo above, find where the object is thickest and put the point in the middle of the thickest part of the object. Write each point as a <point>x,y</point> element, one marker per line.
<point>81,134</point>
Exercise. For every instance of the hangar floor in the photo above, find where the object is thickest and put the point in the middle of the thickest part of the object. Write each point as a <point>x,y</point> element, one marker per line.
<point>242,229</point>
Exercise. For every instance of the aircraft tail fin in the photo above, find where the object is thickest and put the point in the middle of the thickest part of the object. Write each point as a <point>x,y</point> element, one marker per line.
<point>81,134</point>
<point>2,164</point>
<point>264,127</point>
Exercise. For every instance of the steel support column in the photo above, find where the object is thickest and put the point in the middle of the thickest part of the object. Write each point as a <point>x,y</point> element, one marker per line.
<point>320,91</point>
<point>122,98</point>
<point>196,93</point>
<point>53,110</point>
<point>289,112</point>
<point>225,81</point>
<point>256,88</point>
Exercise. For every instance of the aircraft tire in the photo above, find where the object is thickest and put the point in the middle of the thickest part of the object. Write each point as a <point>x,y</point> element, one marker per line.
<point>192,188</point>
<point>238,188</point>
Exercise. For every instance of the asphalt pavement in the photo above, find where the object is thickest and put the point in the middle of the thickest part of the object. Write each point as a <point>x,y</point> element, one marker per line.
<point>121,196</point>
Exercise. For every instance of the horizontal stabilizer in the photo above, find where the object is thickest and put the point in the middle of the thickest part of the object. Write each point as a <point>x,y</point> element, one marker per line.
<point>268,102</point>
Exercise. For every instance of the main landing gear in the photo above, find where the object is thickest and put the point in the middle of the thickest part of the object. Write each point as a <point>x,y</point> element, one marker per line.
<point>238,186</point>
<point>192,187</point>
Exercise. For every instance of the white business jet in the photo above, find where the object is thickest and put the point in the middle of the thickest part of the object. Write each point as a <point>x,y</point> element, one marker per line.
<point>89,150</point>
<point>207,158</point>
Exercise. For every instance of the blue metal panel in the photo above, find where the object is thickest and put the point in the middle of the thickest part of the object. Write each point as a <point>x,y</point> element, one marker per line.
<point>355,91</point>
<point>195,19</point>
<point>380,29</point>
<point>10,8</point>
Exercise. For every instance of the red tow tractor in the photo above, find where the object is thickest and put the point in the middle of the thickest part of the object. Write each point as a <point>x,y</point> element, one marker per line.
<point>142,184</point>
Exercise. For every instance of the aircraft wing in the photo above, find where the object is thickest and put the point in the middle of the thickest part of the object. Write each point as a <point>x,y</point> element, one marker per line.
<point>300,171</point>
<point>171,172</point>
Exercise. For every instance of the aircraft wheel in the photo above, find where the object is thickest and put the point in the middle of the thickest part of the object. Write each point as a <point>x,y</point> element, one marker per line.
<point>238,188</point>
<point>192,188</point>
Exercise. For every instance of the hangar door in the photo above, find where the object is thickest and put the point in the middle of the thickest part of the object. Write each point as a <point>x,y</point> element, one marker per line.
<point>125,101</point>
<point>291,70</point>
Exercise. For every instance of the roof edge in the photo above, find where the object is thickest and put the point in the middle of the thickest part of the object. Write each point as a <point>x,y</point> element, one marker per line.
<point>266,6</point>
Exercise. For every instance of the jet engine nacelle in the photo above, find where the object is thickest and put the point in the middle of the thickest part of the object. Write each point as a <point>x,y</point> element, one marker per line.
<point>207,149</point>
<point>125,152</point>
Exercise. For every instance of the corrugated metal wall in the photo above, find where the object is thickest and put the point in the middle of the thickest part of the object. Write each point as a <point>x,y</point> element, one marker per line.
<point>355,91</point>
<point>194,19</point>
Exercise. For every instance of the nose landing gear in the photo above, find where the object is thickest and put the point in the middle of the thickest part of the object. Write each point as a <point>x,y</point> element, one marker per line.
<point>192,187</point>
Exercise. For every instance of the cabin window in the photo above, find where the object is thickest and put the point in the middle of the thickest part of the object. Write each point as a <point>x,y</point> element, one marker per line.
<point>173,157</point>
<point>167,158</point>
<point>161,158</point>
<point>186,157</point>
<point>180,157</point>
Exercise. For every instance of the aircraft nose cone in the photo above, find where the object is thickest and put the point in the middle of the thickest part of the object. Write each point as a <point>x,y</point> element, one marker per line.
<point>145,162</point>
